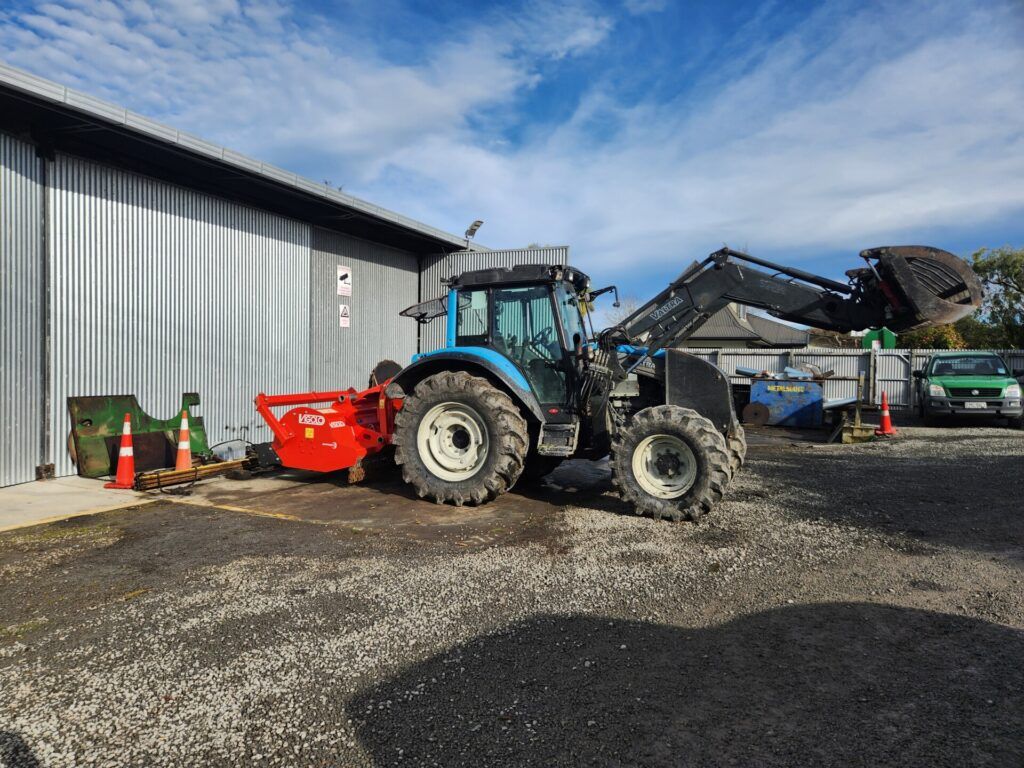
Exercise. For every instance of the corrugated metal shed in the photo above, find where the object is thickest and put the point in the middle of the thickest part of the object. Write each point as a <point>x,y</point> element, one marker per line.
<point>384,282</point>
<point>21,311</point>
<point>159,290</point>
<point>436,269</point>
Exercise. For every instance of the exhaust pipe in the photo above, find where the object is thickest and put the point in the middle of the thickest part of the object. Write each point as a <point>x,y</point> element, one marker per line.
<point>925,286</point>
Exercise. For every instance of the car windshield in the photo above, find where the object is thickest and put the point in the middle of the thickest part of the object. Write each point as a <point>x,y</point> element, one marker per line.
<point>969,365</point>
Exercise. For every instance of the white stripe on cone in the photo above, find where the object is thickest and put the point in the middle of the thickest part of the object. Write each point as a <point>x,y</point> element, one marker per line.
<point>127,429</point>
<point>126,451</point>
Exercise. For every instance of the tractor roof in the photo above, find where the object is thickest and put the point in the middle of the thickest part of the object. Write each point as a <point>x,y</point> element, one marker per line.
<point>523,273</point>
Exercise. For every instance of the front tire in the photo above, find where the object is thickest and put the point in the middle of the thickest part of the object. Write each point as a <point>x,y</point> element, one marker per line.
<point>736,442</point>
<point>671,462</point>
<point>459,439</point>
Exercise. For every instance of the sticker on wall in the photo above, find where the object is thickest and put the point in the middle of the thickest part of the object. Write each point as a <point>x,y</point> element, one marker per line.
<point>344,281</point>
<point>344,316</point>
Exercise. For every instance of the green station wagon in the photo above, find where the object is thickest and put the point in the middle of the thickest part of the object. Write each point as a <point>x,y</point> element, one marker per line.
<point>968,383</point>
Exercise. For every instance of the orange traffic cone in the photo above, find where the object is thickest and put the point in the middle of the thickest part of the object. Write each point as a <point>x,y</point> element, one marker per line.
<point>184,457</point>
<point>125,477</point>
<point>885,429</point>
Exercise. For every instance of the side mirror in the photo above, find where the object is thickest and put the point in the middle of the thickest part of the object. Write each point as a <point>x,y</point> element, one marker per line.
<point>1018,372</point>
<point>918,374</point>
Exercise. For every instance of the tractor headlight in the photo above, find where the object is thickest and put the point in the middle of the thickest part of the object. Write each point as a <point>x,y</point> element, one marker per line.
<point>936,390</point>
<point>1012,391</point>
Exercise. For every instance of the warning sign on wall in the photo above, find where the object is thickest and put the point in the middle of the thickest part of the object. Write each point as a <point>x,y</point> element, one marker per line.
<point>344,315</point>
<point>344,281</point>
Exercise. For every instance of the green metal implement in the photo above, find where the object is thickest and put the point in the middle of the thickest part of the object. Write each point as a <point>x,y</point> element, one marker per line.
<point>96,424</point>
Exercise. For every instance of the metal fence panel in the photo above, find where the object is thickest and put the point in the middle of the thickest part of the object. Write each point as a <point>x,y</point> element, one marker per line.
<point>435,269</point>
<point>893,376</point>
<point>846,364</point>
<point>884,370</point>
<point>159,290</point>
<point>384,281</point>
<point>21,311</point>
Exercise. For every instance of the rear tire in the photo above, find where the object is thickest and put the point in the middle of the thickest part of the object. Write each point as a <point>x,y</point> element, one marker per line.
<point>459,439</point>
<point>671,462</point>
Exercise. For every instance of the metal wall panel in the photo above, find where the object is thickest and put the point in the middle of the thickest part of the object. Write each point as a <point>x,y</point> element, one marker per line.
<point>384,282</point>
<point>435,269</point>
<point>21,311</point>
<point>159,290</point>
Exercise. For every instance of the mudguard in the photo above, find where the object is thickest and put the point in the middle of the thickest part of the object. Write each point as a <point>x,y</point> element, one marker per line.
<point>695,383</point>
<point>486,362</point>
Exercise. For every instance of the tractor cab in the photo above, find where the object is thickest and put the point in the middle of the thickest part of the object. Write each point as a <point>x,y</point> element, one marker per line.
<point>527,318</point>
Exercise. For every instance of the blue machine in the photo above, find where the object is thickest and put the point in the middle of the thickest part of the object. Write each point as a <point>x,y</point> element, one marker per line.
<point>790,402</point>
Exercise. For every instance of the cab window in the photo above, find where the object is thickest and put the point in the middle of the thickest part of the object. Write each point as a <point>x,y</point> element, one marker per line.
<point>471,319</point>
<point>526,332</point>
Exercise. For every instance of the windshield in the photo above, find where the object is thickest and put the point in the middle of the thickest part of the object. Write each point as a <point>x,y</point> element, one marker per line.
<point>968,365</point>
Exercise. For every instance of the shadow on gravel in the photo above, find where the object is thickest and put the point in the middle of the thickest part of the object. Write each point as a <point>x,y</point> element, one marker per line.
<point>973,503</point>
<point>15,753</point>
<point>845,684</point>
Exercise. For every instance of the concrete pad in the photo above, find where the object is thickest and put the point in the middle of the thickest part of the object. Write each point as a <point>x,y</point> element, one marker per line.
<point>45,501</point>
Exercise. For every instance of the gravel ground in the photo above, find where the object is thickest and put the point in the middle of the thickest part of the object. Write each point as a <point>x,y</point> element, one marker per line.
<point>857,605</point>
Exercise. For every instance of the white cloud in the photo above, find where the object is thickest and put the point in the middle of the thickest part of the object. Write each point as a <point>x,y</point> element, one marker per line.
<point>638,7</point>
<point>854,128</point>
<point>833,148</point>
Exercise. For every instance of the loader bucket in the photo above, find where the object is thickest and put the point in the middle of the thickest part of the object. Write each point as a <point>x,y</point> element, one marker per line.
<point>932,286</point>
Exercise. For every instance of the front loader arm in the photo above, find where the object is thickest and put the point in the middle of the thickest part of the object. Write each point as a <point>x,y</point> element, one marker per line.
<point>902,287</point>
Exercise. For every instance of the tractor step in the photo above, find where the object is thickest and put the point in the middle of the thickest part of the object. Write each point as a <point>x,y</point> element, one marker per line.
<point>558,439</point>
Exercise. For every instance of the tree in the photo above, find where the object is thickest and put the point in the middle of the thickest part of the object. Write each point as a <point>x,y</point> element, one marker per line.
<point>977,334</point>
<point>936,337</point>
<point>627,306</point>
<point>1002,271</point>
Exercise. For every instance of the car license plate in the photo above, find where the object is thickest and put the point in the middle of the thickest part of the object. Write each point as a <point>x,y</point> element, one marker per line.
<point>975,404</point>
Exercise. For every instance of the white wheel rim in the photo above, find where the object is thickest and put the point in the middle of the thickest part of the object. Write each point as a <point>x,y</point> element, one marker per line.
<point>664,466</point>
<point>452,441</point>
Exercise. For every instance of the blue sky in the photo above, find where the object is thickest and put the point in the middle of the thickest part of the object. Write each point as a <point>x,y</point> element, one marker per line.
<point>643,133</point>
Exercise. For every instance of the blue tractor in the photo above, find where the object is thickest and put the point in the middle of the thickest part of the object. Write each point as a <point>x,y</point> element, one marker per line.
<point>523,383</point>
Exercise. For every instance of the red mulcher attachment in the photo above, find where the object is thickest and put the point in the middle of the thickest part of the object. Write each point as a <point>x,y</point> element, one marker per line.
<point>339,436</point>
